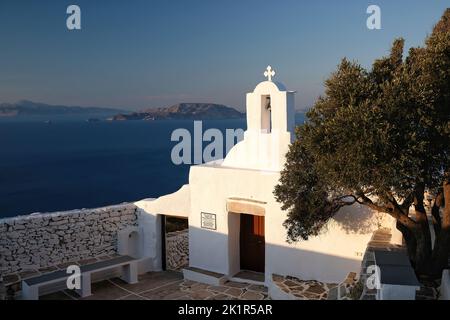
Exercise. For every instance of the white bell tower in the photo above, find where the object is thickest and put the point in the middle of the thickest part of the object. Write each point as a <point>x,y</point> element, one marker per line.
<point>270,127</point>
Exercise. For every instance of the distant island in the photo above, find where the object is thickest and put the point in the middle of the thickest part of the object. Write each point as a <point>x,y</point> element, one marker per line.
<point>190,111</point>
<point>30,108</point>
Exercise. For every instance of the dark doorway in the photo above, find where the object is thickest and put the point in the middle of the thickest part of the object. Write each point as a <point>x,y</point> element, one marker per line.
<point>175,243</point>
<point>252,243</point>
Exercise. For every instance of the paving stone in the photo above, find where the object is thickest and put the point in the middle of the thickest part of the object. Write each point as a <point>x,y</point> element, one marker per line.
<point>168,292</point>
<point>155,286</point>
<point>188,282</point>
<point>218,288</point>
<point>306,289</point>
<point>299,295</point>
<point>290,283</point>
<point>235,292</point>
<point>175,295</point>
<point>219,296</point>
<point>132,297</point>
<point>199,286</point>
<point>277,278</point>
<point>202,294</point>
<point>106,290</point>
<point>55,296</point>
<point>234,284</point>
<point>310,295</point>
<point>317,289</point>
<point>298,288</point>
<point>251,295</point>
<point>258,288</point>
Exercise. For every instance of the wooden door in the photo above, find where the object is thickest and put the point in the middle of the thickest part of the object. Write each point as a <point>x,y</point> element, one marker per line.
<point>252,243</point>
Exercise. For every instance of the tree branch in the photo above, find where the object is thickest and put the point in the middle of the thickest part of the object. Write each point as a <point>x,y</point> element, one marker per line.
<point>394,211</point>
<point>407,202</point>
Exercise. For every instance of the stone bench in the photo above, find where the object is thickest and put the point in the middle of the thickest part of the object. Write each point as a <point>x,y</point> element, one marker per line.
<point>396,277</point>
<point>128,265</point>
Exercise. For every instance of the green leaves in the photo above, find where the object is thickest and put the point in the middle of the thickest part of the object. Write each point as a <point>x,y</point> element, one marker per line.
<point>381,132</point>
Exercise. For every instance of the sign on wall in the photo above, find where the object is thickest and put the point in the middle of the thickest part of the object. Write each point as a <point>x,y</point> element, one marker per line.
<point>208,221</point>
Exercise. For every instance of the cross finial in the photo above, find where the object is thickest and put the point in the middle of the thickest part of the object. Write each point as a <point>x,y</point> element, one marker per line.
<point>269,73</point>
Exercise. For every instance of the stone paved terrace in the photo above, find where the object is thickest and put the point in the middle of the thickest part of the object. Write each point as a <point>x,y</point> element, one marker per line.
<point>303,289</point>
<point>167,285</point>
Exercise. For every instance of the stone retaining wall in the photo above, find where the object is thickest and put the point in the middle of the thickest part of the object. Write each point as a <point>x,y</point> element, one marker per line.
<point>39,241</point>
<point>177,249</point>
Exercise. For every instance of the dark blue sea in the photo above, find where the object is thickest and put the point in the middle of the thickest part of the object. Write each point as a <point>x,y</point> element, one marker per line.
<point>71,164</point>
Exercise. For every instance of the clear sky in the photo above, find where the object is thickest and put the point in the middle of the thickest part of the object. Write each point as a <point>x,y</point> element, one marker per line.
<point>144,53</point>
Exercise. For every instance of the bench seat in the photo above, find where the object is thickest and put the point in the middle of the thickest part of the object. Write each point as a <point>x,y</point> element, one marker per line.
<point>30,286</point>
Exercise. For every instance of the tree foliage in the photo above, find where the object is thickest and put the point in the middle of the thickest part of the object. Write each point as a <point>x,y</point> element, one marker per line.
<point>378,137</point>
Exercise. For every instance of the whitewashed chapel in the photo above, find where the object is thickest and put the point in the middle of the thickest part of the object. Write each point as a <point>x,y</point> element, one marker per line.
<point>236,225</point>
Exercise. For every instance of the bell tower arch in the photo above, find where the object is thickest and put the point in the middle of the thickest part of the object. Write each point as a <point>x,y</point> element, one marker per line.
<point>270,127</point>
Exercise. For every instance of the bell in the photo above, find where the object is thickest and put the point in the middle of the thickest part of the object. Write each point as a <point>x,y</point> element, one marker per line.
<point>268,106</point>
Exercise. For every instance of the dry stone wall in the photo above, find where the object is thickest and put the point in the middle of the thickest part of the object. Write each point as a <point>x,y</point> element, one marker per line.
<point>40,241</point>
<point>177,249</point>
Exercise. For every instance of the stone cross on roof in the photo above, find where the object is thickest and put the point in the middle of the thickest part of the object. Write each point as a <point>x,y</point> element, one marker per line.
<point>269,73</point>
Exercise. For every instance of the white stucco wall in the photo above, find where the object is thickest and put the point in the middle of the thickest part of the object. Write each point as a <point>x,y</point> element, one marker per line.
<point>150,224</point>
<point>176,204</point>
<point>330,256</point>
<point>209,248</point>
<point>149,211</point>
<point>327,257</point>
<point>260,149</point>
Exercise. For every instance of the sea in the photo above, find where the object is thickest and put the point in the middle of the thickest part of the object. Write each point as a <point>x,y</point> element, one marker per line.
<point>65,162</point>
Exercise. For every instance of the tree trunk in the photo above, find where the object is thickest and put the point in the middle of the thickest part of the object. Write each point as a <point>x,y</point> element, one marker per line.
<point>422,234</point>
<point>442,245</point>
<point>423,252</point>
<point>435,213</point>
<point>410,241</point>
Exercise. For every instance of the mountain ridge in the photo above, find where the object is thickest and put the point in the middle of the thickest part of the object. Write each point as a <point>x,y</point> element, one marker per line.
<point>27,107</point>
<point>189,111</point>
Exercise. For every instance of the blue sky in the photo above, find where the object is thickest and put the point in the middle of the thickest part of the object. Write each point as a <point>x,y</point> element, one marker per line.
<point>144,53</point>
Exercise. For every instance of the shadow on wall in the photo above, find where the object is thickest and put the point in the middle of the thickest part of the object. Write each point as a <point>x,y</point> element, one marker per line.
<point>358,219</point>
<point>309,265</point>
<point>217,252</point>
